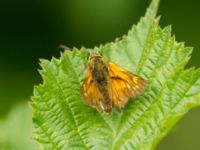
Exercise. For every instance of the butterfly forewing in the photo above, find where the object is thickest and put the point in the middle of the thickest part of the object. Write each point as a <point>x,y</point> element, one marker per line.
<point>124,85</point>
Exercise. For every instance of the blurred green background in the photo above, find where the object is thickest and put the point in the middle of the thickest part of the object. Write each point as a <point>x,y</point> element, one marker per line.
<point>33,29</point>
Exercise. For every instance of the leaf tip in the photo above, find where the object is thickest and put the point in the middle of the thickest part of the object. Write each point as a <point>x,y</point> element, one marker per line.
<point>153,8</point>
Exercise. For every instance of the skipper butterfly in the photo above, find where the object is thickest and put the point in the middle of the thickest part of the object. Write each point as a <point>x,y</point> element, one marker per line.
<point>108,85</point>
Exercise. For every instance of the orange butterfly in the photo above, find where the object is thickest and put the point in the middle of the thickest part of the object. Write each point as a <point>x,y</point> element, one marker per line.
<point>108,85</point>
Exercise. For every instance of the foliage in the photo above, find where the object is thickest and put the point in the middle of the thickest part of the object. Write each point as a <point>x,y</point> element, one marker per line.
<point>15,129</point>
<point>63,121</point>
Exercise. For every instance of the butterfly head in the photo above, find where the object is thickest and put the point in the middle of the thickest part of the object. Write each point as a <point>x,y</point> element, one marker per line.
<point>94,54</point>
<point>94,60</point>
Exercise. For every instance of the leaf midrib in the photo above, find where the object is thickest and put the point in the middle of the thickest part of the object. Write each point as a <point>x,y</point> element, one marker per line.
<point>143,51</point>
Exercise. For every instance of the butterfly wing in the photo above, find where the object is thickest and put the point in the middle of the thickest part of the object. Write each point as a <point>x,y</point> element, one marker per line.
<point>90,92</point>
<point>124,85</point>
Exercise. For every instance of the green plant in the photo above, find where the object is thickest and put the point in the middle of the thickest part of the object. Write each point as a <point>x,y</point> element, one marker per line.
<point>15,129</point>
<point>63,121</point>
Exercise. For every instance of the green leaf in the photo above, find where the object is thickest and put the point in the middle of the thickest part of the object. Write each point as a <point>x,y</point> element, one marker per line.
<point>63,121</point>
<point>15,129</point>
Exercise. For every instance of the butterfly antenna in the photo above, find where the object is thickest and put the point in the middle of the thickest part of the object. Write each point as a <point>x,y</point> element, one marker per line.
<point>64,47</point>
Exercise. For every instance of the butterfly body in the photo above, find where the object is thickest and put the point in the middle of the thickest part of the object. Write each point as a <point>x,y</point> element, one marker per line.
<point>108,85</point>
<point>101,79</point>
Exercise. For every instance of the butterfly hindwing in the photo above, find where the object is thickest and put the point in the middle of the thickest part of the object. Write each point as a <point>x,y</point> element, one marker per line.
<point>90,92</point>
